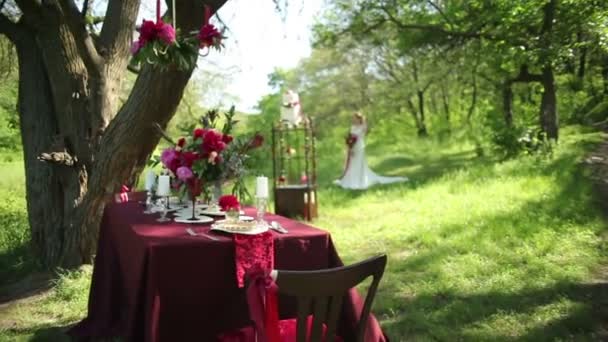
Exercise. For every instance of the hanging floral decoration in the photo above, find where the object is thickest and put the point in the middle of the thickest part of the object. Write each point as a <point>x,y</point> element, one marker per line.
<point>161,45</point>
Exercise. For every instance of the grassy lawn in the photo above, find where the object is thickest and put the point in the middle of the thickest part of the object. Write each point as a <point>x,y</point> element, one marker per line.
<point>478,250</point>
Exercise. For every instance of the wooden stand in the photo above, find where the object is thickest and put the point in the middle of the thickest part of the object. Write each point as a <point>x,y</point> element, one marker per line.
<point>294,171</point>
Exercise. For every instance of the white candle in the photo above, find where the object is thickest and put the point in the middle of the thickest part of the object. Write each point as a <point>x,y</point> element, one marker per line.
<point>150,180</point>
<point>164,186</point>
<point>261,187</point>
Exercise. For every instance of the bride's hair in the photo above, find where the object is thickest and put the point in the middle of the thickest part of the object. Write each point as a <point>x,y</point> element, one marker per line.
<point>361,117</point>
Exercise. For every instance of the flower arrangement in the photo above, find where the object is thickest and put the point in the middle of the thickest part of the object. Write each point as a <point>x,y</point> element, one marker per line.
<point>351,139</point>
<point>160,44</point>
<point>210,155</point>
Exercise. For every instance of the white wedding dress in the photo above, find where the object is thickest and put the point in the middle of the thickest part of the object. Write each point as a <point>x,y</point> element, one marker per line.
<point>358,175</point>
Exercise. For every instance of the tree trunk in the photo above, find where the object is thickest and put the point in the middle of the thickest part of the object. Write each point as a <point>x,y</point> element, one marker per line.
<point>507,103</point>
<point>422,130</point>
<point>473,104</point>
<point>68,90</point>
<point>446,107</point>
<point>44,186</point>
<point>548,109</point>
<point>420,126</point>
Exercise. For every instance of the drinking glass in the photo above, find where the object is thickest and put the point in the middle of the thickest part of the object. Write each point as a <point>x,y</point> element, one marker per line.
<point>261,209</point>
<point>163,213</point>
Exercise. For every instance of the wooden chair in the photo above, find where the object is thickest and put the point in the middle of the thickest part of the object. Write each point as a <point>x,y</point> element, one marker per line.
<point>321,293</point>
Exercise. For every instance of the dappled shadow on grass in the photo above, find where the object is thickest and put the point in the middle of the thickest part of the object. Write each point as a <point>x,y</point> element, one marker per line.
<point>15,264</point>
<point>461,311</point>
<point>448,313</point>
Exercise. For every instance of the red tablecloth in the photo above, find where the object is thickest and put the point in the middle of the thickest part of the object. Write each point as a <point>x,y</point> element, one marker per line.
<point>154,282</point>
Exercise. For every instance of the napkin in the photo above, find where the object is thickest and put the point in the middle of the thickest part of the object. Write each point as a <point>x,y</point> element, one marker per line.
<point>253,252</point>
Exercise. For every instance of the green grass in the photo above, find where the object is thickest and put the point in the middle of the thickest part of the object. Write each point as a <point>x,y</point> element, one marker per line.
<point>479,250</point>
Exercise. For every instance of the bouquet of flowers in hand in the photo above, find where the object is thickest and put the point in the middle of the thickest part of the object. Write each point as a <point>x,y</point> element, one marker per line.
<point>210,155</point>
<point>351,139</point>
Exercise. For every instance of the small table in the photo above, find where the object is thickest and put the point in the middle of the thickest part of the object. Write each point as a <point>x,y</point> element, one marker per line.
<point>154,282</point>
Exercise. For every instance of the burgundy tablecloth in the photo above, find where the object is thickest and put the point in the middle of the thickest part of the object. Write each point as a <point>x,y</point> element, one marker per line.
<point>154,282</point>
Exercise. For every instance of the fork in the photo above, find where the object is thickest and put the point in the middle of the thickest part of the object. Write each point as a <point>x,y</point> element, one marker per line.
<point>193,233</point>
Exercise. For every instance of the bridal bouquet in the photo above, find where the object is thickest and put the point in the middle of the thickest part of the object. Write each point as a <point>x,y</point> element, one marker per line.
<point>210,156</point>
<point>351,139</point>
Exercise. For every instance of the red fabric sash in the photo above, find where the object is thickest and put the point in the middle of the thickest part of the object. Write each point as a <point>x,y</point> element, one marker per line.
<point>263,305</point>
<point>124,194</point>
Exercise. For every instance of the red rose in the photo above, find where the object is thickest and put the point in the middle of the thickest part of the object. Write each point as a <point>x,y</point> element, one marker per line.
<point>198,133</point>
<point>189,158</point>
<point>147,32</point>
<point>256,141</point>
<point>229,202</point>
<point>227,139</point>
<point>181,142</point>
<point>212,141</point>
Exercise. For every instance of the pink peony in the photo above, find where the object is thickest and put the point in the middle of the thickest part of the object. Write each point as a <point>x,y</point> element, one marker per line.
<point>170,158</point>
<point>136,46</point>
<point>184,173</point>
<point>165,32</point>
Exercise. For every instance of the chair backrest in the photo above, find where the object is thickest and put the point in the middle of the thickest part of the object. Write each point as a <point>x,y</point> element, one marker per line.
<point>321,293</point>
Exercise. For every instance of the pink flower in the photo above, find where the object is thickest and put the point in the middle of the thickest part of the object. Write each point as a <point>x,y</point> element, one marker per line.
<point>209,36</point>
<point>136,46</point>
<point>165,32</point>
<point>170,158</point>
<point>212,157</point>
<point>184,173</point>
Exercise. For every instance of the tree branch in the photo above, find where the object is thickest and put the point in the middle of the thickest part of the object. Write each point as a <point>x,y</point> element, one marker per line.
<point>118,26</point>
<point>84,41</point>
<point>59,158</point>
<point>85,8</point>
<point>8,28</point>
<point>441,12</point>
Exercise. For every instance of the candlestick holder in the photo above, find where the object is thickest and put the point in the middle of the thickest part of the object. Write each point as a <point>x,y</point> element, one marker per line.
<point>148,203</point>
<point>261,203</point>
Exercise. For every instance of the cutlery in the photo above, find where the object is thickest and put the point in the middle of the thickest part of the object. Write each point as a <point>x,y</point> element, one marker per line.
<point>193,233</point>
<point>274,225</point>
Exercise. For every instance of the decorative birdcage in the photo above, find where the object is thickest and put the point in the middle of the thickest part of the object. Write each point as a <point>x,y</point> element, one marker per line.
<point>294,170</point>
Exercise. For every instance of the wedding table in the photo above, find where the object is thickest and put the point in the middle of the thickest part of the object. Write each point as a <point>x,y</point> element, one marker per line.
<point>154,282</point>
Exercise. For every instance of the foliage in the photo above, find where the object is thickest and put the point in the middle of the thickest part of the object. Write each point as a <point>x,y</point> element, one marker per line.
<point>444,62</point>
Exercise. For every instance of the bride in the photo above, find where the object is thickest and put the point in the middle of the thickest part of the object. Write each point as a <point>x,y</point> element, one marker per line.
<point>357,174</point>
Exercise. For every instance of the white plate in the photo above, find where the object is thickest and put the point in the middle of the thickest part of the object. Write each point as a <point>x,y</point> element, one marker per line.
<point>216,213</point>
<point>200,219</point>
<point>257,229</point>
